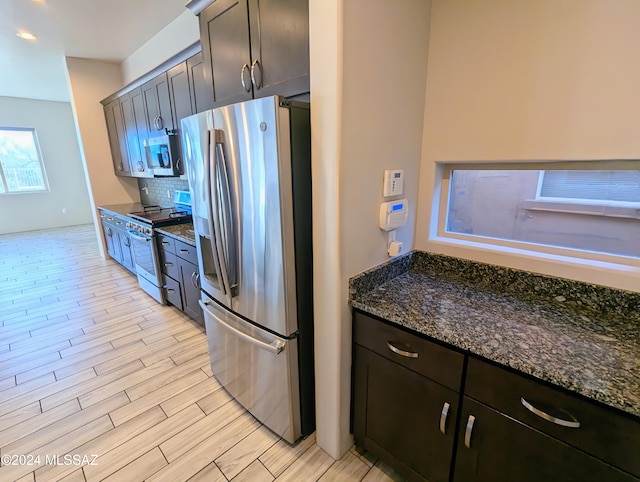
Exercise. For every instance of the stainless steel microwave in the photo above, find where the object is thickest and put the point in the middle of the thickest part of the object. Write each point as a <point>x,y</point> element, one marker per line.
<point>163,155</point>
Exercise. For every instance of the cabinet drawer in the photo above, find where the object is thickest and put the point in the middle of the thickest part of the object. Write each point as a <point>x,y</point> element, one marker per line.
<point>172,291</point>
<point>167,243</point>
<point>608,435</point>
<point>108,218</point>
<point>422,356</point>
<point>186,251</point>
<point>170,264</point>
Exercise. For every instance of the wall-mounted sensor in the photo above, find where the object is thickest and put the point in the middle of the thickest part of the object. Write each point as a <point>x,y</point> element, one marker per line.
<point>393,214</point>
<point>393,183</point>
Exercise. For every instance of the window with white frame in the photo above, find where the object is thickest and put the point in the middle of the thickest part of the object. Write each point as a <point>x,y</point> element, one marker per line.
<point>21,167</point>
<point>591,211</point>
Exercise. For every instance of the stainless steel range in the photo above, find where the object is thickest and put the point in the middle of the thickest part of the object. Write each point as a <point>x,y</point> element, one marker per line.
<point>144,240</point>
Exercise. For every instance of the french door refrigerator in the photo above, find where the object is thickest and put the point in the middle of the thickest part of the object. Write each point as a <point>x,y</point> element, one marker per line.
<point>249,171</point>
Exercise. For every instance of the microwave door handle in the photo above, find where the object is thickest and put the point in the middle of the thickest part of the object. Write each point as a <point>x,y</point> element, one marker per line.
<point>213,238</point>
<point>230,231</point>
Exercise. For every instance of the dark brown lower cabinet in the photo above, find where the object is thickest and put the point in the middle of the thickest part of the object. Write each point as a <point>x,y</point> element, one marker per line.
<point>493,447</point>
<point>117,239</point>
<point>406,396</point>
<point>190,275</point>
<point>404,418</point>
<point>179,265</point>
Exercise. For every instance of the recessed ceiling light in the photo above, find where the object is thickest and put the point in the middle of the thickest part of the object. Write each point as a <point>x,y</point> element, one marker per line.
<point>26,35</point>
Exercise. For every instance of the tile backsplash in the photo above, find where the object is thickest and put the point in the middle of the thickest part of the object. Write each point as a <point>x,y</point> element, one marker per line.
<point>157,188</point>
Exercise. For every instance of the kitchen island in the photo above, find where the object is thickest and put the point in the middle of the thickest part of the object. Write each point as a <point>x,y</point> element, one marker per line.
<point>576,343</point>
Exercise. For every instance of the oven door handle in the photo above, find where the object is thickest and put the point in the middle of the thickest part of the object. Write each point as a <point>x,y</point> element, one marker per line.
<point>135,235</point>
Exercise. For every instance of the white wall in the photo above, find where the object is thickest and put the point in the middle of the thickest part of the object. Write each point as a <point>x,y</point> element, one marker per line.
<point>90,81</point>
<point>368,73</point>
<point>522,80</point>
<point>55,131</point>
<point>175,37</point>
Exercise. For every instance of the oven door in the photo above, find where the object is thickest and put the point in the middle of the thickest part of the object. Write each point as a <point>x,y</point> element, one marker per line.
<point>145,257</point>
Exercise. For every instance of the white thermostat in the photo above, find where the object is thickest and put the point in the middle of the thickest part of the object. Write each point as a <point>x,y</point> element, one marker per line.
<point>393,214</point>
<point>393,183</point>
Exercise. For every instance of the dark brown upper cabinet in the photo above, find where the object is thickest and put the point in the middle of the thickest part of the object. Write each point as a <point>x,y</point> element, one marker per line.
<point>134,143</point>
<point>117,139</point>
<point>279,47</point>
<point>201,91</point>
<point>157,105</point>
<point>255,48</point>
<point>179,93</point>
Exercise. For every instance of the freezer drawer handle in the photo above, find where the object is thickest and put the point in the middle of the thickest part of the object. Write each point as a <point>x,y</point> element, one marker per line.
<point>276,347</point>
<point>547,417</point>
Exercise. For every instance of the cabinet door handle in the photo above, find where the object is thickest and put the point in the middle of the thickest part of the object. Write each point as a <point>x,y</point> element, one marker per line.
<point>165,243</point>
<point>401,352</point>
<point>443,418</point>
<point>467,433</point>
<point>127,242</point>
<point>121,167</point>
<point>256,84</point>
<point>160,123</point>
<point>547,417</point>
<point>170,291</point>
<point>245,85</point>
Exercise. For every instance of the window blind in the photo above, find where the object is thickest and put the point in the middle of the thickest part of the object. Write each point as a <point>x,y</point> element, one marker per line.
<point>619,186</point>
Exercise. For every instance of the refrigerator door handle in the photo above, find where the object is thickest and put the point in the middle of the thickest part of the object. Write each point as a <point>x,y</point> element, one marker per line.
<point>229,231</point>
<point>213,234</point>
<point>274,347</point>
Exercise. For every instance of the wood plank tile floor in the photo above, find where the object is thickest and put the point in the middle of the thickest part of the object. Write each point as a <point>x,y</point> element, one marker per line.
<point>100,382</point>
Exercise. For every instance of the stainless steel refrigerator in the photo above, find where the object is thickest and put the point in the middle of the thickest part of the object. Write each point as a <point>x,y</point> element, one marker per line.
<point>249,171</point>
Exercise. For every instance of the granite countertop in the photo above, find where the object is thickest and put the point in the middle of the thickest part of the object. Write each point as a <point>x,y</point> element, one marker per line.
<point>122,209</point>
<point>181,232</point>
<point>560,338</point>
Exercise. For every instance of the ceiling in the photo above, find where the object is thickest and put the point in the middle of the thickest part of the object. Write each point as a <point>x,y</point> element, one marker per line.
<point>109,30</point>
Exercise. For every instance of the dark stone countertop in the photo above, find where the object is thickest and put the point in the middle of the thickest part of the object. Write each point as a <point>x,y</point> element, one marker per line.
<point>181,232</point>
<point>122,209</point>
<point>559,331</point>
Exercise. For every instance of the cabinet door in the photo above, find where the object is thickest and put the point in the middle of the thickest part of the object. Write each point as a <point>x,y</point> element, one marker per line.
<point>140,168</point>
<point>501,449</point>
<point>111,240</point>
<point>117,140</point>
<point>158,105</point>
<point>125,249</point>
<point>279,47</point>
<point>191,290</point>
<point>224,34</point>
<point>134,150</point>
<point>402,417</point>
<point>180,93</point>
<point>201,90</point>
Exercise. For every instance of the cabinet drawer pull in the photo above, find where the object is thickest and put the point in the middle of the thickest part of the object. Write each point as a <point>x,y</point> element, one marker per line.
<point>467,432</point>
<point>168,264</point>
<point>401,352</point>
<point>184,251</point>
<point>166,243</point>
<point>443,418</point>
<point>547,417</point>
<point>170,291</point>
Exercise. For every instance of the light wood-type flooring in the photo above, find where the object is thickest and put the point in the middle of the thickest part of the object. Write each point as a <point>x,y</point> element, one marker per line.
<point>100,382</point>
